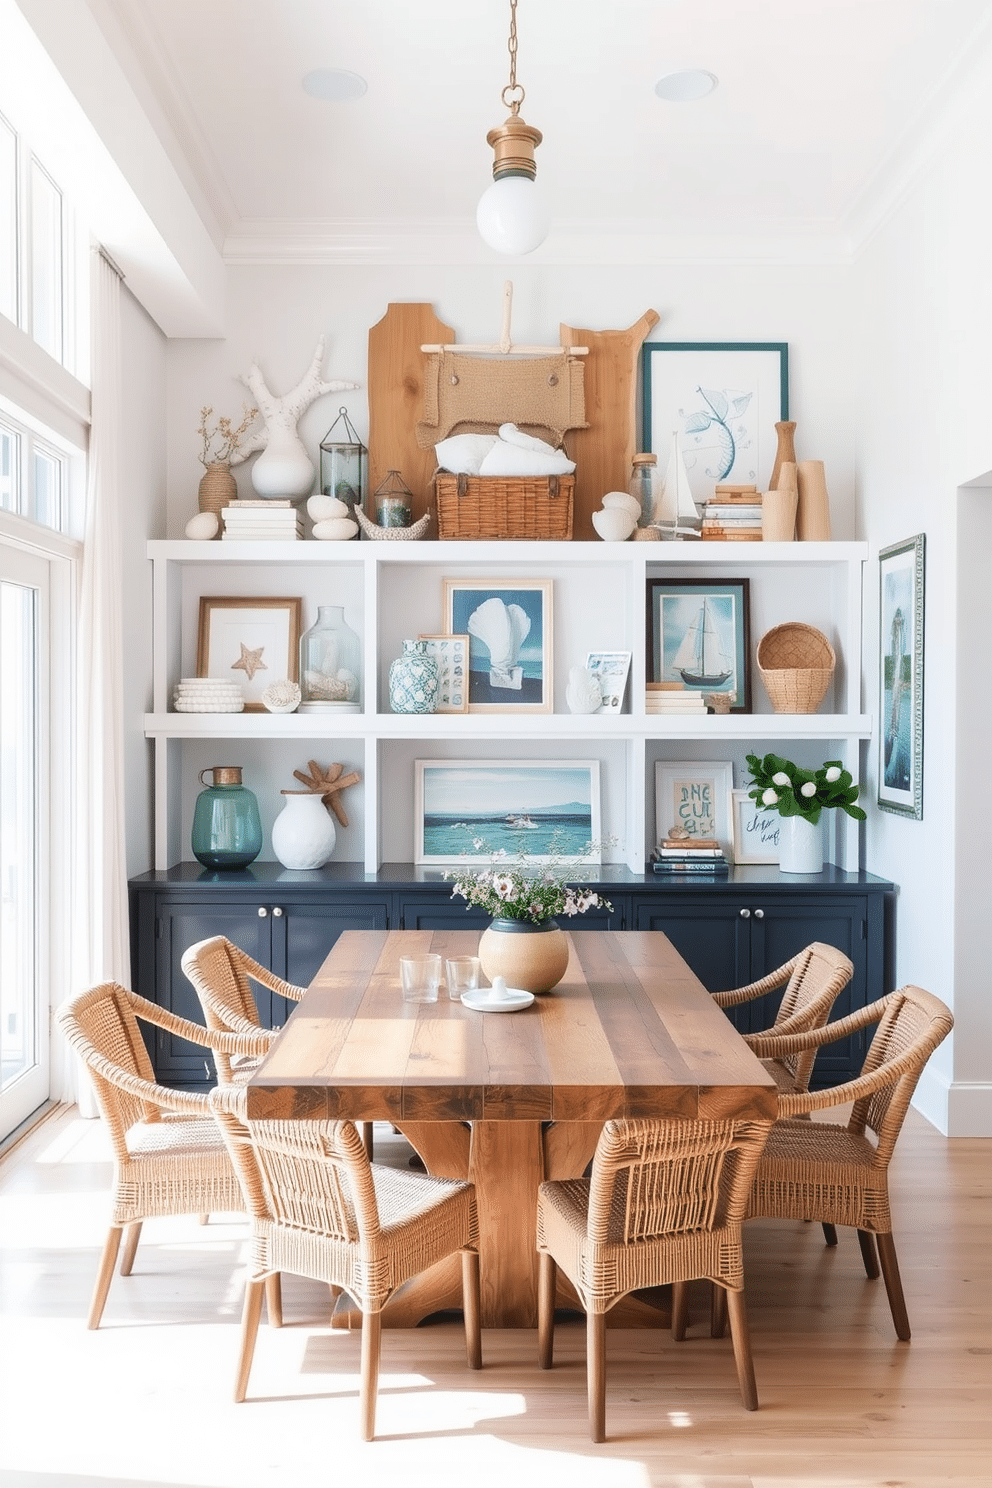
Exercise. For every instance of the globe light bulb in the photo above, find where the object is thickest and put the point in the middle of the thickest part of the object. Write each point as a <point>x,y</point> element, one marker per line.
<point>511,215</point>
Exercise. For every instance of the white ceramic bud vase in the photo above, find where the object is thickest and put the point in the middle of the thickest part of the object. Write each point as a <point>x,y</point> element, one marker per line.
<point>283,469</point>
<point>303,834</point>
<point>800,845</point>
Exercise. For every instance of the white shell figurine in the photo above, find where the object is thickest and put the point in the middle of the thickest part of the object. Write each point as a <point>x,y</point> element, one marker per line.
<point>502,629</point>
<point>618,516</point>
<point>282,697</point>
<point>584,693</point>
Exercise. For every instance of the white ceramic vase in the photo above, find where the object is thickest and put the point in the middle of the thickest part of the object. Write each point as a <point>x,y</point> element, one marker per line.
<point>303,834</point>
<point>800,845</point>
<point>283,469</point>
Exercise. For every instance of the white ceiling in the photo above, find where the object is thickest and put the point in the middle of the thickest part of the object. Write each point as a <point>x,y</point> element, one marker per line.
<point>820,105</point>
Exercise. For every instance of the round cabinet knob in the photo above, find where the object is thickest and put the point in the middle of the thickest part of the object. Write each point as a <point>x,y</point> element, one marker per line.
<point>262,912</point>
<point>759,914</point>
<point>277,913</point>
<point>745,914</point>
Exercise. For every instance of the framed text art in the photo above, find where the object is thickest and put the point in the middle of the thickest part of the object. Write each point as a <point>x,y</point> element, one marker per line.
<point>698,637</point>
<point>541,810</point>
<point>756,830</point>
<point>714,405</point>
<point>900,671</point>
<point>251,641</point>
<point>451,654</point>
<point>694,795</point>
<point>610,668</point>
<point>509,625</point>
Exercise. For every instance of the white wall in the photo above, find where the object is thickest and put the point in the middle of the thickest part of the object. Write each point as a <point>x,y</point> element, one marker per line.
<point>922,292</point>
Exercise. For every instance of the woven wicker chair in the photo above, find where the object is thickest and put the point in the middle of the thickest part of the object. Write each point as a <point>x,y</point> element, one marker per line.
<point>320,1209</point>
<point>813,981</point>
<point>222,974</point>
<point>169,1158</point>
<point>813,1170</point>
<point>665,1203</point>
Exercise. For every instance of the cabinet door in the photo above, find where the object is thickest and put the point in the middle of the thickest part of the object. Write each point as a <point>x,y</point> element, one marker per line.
<point>784,927</point>
<point>709,933</point>
<point>432,911</point>
<point>178,925</point>
<point>304,932</point>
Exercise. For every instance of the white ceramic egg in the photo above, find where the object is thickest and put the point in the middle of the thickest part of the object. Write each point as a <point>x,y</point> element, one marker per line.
<point>613,525</point>
<point>335,529</point>
<point>324,508</point>
<point>622,501</point>
<point>203,526</point>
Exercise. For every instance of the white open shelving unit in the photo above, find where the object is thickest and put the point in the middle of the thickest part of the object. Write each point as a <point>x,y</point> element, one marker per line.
<point>393,590</point>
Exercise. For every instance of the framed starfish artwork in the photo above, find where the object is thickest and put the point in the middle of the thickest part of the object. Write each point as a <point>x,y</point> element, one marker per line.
<point>252,641</point>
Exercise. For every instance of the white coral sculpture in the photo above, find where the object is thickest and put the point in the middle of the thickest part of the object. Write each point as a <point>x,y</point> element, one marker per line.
<point>282,412</point>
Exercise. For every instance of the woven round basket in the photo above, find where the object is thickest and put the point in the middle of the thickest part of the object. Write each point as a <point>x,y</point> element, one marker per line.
<point>796,663</point>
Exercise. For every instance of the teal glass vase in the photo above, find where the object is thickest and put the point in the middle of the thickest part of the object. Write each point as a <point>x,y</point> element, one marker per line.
<point>227,829</point>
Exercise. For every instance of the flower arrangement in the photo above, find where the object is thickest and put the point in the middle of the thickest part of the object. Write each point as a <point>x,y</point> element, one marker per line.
<point>518,889</point>
<point>779,785</point>
<point>223,442</point>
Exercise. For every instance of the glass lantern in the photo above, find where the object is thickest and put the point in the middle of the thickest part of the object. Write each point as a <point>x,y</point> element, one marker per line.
<point>344,463</point>
<point>393,501</point>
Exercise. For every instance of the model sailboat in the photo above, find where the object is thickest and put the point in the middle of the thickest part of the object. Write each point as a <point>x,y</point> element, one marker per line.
<point>701,660</point>
<point>677,516</point>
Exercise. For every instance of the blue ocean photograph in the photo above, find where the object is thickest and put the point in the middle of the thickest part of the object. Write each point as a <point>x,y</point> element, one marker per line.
<point>539,810</point>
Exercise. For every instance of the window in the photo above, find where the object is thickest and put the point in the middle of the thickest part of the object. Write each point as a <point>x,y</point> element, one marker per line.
<point>37,475</point>
<point>35,241</point>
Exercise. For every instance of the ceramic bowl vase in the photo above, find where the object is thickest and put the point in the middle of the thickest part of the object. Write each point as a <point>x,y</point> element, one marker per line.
<point>529,957</point>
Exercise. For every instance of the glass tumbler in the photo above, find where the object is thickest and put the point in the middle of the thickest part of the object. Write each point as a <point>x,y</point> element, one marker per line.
<point>463,975</point>
<point>420,977</point>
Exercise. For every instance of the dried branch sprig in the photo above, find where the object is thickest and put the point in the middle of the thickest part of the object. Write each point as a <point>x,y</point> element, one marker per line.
<point>223,442</point>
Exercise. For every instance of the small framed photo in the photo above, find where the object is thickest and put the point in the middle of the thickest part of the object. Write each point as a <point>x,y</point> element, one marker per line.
<point>451,654</point>
<point>699,637</point>
<point>714,405</point>
<point>252,641</point>
<point>612,668</point>
<point>696,796</point>
<point>542,809</point>
<point>756,831</point>
<point>509,625</point>
<point>900,671</point>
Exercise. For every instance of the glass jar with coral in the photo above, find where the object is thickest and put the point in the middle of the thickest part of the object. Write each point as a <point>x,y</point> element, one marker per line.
<point>330,665</point>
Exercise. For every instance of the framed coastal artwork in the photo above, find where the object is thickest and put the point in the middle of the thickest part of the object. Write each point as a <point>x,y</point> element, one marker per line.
<point>755,830</point>
<point>611,669</point>
<point>471,810</point>
<point>710,410</point>
<point>252,641</point>
<point>900,672</point>
<point>694,795</point>
<point>699,637</point>
<point>451,654</point>
<point>509,626</point>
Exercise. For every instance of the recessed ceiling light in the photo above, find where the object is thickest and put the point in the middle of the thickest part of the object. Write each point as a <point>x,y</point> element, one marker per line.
<point>685,86</point>
<point>331,84</point>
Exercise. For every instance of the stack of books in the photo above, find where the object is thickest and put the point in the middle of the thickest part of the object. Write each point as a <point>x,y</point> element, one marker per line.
<point>732,514</point>
<point>262,521</point>
<point>676,856</point>
<point>660,698</point>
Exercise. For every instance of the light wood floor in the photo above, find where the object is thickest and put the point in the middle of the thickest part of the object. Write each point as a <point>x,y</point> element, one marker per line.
<point>147,1399</point>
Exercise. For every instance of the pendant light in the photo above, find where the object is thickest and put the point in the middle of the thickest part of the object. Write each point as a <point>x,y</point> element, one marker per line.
<point>511,216</point>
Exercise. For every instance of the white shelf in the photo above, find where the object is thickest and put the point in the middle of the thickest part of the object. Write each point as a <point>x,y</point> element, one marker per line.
<point>599,603</point>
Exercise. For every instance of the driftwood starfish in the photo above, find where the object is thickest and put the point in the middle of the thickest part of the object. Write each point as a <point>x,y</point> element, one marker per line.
<point>327,784</point>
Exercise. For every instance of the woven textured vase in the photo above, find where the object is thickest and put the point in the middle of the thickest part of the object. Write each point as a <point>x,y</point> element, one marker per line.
<point>217,489</point>
<point>531,958</point>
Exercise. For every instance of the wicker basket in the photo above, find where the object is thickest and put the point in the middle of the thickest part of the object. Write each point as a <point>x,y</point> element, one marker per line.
<point>796,663</point>
<point>514,507</point>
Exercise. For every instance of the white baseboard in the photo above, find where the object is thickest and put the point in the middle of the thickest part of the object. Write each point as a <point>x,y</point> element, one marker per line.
<point>956,1110</point>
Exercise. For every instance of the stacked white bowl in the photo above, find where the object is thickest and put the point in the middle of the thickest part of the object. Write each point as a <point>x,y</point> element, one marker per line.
<point>208,695</point>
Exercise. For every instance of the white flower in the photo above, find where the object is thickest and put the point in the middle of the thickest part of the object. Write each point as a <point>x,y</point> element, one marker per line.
<point>833,774</point>
<point>502,885</point>
<point>809,789</point>
<point>780,779</point>
<point>768,797</point>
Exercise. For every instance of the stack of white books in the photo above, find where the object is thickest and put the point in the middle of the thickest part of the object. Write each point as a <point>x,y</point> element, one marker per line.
<point>674,700</point>
<point>262,521</point>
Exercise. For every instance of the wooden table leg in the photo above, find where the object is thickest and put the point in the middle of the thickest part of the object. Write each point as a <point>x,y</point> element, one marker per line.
<point>507,1167</point>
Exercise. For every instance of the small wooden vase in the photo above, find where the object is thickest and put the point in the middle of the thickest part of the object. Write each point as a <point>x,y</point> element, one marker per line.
<point>778,514</point>
<point>813,514</point>
<point>786,451</point>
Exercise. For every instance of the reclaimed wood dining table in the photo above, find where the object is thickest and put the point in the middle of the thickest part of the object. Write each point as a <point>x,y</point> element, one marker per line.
<point>507,1099</point>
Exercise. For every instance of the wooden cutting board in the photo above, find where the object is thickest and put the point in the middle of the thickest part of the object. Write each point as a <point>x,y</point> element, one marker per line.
<point>603,452</point>
<point>396,392</point>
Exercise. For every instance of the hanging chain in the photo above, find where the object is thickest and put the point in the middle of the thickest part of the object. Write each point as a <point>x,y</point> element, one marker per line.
<point>513,88</point>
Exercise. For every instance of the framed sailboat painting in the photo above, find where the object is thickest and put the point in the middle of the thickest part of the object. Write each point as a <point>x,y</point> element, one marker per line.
<point>698,638</point>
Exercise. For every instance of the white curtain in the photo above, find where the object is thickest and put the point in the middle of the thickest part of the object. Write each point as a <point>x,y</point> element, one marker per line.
<point>101,946</point>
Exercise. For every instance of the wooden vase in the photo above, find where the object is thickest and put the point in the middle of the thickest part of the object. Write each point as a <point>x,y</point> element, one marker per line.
<point>531,958</point>
<point>813,513</point>
<point>786,451</point>
<point>778,514</point>
<point>217,489</point>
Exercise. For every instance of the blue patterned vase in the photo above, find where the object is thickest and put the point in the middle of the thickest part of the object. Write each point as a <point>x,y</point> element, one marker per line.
<point>413,680</point>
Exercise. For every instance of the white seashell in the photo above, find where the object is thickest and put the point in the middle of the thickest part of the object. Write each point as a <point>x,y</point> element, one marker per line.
<point>203,526</point>
<point>502,629</point>
<point>584,693</point>
<point>322,508</point>
<point>335,529</point>
<point>622,501</point>
<point>281,697</point>
<point>613,525</point>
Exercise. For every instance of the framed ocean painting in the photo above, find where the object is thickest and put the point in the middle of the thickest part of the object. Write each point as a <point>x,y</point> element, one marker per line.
<point>900,672</point>
<point>471,810</point>
<point>698,637</point>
